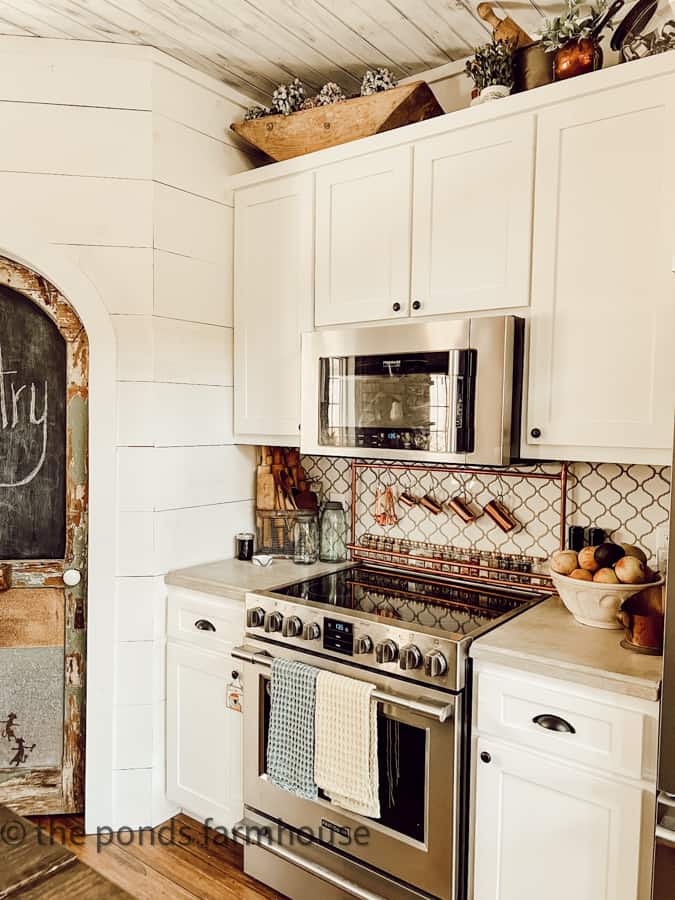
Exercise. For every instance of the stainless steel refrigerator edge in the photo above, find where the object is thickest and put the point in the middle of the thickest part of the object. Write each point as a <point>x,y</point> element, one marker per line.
<point>664,855</point>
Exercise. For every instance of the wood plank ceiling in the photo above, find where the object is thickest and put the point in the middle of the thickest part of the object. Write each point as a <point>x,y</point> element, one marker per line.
<point>252,45</point>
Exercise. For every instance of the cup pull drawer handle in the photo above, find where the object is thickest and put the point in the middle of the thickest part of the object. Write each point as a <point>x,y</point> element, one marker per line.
<point>204,625</point>
<point>554,723</point>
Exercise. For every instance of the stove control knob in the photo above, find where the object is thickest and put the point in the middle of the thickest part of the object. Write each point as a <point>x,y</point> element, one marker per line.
<point>255,617</point>
<point>292,627</point>
<point>311,632</point>
<point>386,651</point>
<point>435,664</point>
<point>411,657</point>
<point>363,644</point>
<point>273,621</point>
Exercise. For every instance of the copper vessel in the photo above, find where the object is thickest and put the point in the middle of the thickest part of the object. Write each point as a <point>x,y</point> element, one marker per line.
<point>576,58</point>
<point>642,617</point>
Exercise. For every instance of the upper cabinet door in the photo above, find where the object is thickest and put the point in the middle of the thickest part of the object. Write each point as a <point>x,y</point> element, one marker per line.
<point>602,366</point>
<point>273,289</point>
<point>363,238</point>
<point>472,218</point>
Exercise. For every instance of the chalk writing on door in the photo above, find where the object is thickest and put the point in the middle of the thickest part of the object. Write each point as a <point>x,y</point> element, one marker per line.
<point>15,409</point>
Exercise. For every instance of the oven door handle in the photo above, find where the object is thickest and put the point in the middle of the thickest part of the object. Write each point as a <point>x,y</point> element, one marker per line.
<point>439,711</point>
<point>243,833</point>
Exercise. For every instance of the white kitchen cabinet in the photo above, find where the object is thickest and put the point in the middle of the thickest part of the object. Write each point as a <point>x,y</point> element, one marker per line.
<point>563,789</point>
<point>547,829</point>
<point>602,368</point>
<point>363,238</point>
<point>472,218</point>
<point>273,299</point>
<point>203,736</point>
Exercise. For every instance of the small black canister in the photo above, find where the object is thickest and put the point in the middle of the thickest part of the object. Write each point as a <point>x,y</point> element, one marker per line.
<point>244,545</point>
<point>596,536</point>
<point>575,537</point>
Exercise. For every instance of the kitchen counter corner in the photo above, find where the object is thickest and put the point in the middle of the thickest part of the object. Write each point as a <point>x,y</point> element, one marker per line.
<point>234,578</point>
<point>546,640</point>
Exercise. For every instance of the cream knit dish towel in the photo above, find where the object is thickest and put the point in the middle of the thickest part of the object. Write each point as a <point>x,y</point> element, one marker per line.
<point>345,743</point>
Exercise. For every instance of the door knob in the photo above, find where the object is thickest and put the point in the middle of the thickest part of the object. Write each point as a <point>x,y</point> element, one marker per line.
<point>71,577</point>
<point>485,757</point>
<point>396,307</point>
<point>535,433</point>
<point>416,304</point>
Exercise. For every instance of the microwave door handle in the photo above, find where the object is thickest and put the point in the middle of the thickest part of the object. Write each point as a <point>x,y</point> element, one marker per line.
<point>462,375</point>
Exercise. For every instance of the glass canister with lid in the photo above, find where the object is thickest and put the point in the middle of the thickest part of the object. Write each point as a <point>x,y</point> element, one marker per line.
<point>333,532</point>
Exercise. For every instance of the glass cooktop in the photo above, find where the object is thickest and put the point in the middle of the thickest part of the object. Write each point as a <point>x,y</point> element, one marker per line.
<point>451,606</point>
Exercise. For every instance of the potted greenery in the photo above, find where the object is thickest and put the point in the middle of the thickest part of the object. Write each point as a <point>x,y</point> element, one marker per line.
<point>575,37</point>
<point>491,69</point>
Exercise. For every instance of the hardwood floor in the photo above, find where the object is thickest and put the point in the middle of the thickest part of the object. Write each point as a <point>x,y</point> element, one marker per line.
<point>178,860</point>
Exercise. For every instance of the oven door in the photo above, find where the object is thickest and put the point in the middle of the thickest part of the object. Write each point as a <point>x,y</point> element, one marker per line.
<point>419,757</point>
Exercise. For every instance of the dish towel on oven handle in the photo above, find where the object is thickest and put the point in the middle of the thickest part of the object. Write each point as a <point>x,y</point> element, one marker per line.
<point>290,741</point>
<point>345,756</point>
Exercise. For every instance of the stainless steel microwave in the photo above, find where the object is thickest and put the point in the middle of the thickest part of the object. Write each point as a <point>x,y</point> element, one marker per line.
<point>439,391</point>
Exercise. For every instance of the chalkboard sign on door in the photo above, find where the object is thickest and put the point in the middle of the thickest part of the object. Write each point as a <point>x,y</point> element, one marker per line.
<point>33,363</point>
<point>44,500</point>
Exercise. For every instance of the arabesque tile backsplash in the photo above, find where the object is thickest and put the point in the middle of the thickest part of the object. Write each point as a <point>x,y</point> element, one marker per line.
<point>629,501</point>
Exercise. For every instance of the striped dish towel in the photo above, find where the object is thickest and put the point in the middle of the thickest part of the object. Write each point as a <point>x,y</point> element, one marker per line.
<point>290,741</point>
<point>345,761</point>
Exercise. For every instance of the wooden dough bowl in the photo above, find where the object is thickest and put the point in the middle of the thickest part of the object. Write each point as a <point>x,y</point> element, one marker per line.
<point>283,137</point>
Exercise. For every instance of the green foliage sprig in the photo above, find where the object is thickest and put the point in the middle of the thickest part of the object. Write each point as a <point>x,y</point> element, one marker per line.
<point>491,64</point>
<point>578,21</point>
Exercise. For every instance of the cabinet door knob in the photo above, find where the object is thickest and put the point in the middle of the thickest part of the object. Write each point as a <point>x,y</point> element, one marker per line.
<point>535,432</point>
<point>204,625</point>
<point>396,307</point>
<point>416,304</point>
<point>485,757</point>
<point>554,723</point>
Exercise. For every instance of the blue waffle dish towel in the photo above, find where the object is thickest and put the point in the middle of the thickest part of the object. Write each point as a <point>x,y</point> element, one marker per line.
<point>290,742</point>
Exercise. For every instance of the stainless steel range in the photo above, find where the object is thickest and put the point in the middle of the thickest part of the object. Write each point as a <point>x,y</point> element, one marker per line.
<point>409,635</point>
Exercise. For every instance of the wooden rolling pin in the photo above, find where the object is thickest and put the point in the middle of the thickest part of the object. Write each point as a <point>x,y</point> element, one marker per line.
<point>504,29</point>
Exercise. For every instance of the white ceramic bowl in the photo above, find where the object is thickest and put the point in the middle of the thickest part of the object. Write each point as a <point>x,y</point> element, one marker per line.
<point>594,603</point>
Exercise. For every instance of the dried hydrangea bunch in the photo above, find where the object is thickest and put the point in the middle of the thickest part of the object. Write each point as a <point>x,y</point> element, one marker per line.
<point>288,98</point>
<point>330,93</point>
<point>491,64</point>
<point>256,112</point>
<point>377,80</point>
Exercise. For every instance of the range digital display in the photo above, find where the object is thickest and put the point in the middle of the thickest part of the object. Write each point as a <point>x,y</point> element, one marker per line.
<point>338,636</point>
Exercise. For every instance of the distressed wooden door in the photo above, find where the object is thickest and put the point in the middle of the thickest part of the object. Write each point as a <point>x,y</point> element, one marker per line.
<point>43,545</point>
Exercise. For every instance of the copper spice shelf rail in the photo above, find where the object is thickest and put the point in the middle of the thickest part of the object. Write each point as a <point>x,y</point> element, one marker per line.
<point>444,560</point>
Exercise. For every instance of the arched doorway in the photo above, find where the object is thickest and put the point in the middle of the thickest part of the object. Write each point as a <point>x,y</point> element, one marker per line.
<point>44,376</point>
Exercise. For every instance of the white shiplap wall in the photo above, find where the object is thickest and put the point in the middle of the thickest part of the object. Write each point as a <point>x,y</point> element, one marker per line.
<point>120,156</point>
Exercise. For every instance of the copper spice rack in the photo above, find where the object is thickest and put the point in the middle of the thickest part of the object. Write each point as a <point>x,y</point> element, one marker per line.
<point>483,566</point>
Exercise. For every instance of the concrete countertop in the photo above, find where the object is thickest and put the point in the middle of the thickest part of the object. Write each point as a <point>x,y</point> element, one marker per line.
<point>235,578</point>
<point>546,640</point>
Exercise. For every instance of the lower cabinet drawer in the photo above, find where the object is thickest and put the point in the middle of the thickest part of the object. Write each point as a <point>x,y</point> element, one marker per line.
<point>208,622</point>
<point>565,720</point>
